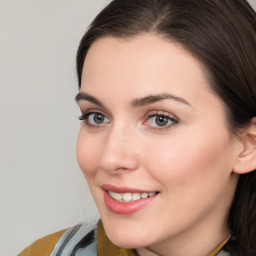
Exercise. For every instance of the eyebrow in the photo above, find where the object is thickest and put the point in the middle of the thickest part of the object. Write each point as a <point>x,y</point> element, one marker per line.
<point>139,102</point>
<point>88,97</point>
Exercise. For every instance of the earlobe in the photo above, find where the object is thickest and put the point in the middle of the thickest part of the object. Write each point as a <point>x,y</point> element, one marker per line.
<point>246,161</point>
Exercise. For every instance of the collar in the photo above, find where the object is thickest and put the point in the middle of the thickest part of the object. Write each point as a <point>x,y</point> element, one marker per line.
<point>106,248</point>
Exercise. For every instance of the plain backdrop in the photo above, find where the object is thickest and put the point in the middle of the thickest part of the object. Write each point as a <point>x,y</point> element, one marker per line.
<point>41,187</point>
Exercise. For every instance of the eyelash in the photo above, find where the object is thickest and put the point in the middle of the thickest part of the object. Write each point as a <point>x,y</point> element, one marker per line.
<point>85,119</point>
<point>169,118</point>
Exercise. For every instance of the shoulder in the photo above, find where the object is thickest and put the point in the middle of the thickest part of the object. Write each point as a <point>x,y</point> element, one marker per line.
<point>77,240</point>
<point>44,245</point>
<point>66,241</point>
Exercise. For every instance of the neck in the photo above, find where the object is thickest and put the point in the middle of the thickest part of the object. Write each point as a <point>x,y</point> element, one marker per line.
<point>198,243</point>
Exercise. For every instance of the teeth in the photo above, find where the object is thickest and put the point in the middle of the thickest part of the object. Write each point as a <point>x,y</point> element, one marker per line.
<point>116,196</point>
<point>135,196</point>
<point>144,195</point>
<point>130,197</point>
<point>127,197</point>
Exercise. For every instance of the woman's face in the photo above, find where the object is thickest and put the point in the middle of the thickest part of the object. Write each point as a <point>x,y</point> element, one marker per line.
<point>154,144</point>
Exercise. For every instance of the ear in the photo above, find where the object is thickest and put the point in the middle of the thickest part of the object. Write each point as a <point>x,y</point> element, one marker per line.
<point>246,161</point>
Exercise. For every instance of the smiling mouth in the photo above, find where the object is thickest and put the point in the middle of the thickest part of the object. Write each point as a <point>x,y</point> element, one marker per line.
<point>130,197</point>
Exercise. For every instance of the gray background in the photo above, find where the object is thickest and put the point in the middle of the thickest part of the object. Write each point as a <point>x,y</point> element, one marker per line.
<point>41,187</point>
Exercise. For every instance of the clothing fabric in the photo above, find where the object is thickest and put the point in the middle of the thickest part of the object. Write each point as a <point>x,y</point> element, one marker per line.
<point>43,246</point>
<point>80,240</point>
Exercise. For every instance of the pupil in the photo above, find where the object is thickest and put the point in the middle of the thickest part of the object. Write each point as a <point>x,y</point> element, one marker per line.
<point>98,118</point>
<point>161,120</point>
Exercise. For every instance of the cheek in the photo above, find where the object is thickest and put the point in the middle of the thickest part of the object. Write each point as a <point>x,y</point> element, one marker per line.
<point>87,151</point>
<point>191,174</point>
<point>183,160</point>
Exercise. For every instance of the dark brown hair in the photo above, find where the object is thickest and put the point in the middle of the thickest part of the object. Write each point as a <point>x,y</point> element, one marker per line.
<point>222,35</point>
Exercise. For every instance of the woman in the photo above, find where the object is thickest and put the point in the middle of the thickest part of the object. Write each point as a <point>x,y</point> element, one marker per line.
<point>167,92</point>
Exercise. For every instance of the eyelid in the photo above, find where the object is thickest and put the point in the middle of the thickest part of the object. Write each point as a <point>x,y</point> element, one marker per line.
<point>87,106</point>
<point>161,113</point>
<point>85,116</point>
<point>171,117</point>
<point>91,110</point>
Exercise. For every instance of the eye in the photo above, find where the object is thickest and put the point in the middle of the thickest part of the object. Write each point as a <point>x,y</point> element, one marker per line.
<point>94,119</point>
<point>161,121</point>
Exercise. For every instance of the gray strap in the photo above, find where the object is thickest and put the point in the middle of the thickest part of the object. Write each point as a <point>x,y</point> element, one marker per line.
<point>71,238</point>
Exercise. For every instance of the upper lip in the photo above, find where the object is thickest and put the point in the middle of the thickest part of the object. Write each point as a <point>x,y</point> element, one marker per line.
<point>124,189</point>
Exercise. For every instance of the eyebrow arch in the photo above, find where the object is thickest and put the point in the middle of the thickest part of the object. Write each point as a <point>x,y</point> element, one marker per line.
<point>140,102</point>
<point>88,97</point>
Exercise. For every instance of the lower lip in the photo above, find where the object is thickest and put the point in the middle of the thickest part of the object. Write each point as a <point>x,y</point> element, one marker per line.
<point>126,208</point>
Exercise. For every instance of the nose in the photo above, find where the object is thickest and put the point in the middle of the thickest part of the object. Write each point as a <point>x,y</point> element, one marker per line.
<point>119,151</point>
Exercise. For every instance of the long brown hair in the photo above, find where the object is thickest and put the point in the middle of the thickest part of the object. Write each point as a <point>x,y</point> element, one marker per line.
<point>222,35</point>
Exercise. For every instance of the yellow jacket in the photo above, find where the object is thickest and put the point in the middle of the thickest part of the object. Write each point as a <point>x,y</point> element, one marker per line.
<point>45,245</point>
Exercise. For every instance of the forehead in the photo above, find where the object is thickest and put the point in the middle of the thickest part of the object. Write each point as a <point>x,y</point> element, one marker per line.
<point>146,49</point>
<point>138,62</point>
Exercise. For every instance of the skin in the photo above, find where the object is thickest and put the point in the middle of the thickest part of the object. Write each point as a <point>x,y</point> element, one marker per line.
<point>189,161</point>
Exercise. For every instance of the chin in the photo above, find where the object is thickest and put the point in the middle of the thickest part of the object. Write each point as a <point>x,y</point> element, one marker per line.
<point>129,239</point>
<point>128,242</point>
